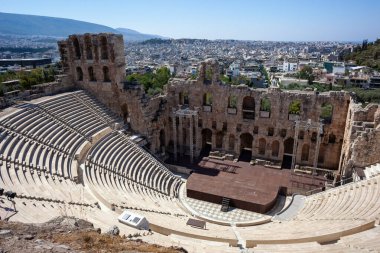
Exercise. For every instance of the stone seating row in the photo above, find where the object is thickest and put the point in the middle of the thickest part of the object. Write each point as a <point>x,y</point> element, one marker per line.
<point>81,101</point>
<point>99,111</point>
<point>82,121</point>
<point>104,111</point>
<point>366,241</point>
<point>46,135</point>
<point>118,191</point>
<point>358,201</point>
<point>119,155</point>
<point>31,183</point>
<point>299,231</point>
<point>372,170</point>
<point>24,152</point>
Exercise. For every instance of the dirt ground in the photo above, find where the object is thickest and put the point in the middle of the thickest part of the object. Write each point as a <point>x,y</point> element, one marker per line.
<point>65,234</point>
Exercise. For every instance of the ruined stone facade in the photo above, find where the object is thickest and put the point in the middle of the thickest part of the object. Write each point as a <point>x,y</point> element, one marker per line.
<point>234,119</point>
<point>95,62</point>
<point>361,146</point>
<point>193,115</point>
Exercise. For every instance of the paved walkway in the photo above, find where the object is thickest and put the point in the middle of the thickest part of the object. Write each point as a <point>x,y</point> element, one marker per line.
<point>212,211</point>
<point>292,210</point>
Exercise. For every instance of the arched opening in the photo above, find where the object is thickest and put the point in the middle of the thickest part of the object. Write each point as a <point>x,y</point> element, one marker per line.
<point>79,74</point>
<point>332,138</point>
<point>106,74</point>
<point>321,154</point>
<point>326,113</point>
<point>162,140</point>
<point>103,48</point>
<point>314,136</point>
<point>88,45</point>
<point>231,142</point>
<point>262,145</point>
<point>183,98</point>
<point>186,98</point>
<point>180,98</point>
<point>288,153</point>
<point>288,146</point>
<point>294,109</point>
<point>248,108</point>
<point>275,148</point>
<point>206,141</point>
<point>219,140</point>
<point>305,153</point>
<point>207,99</point>
<point>208,74</point>
<point>265,107</point>
<point>232,101</point>
<point>246,140</point>
<point>125,114</point>
<point>91,74</point>
<point>76,48</point>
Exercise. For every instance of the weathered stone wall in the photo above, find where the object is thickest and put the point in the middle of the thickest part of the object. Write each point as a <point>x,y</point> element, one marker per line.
<point>96,62</point>
<point>228,125</point>
<point>268,134</point>
<point>362,137</point>
<point>86,58</point>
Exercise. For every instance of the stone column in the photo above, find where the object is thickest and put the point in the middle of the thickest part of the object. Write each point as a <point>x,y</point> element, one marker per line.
<point>196,134</point>
<point>191,139</point>
<point>296,131</point>
<point>316,154</point>
<point>180,135</point>
<point>175,136</point>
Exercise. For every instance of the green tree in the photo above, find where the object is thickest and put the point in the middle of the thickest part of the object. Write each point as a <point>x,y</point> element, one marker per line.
<point>153,83</point>
<point>265,105</point>
<point>306,73</point>
<point>295,107</point>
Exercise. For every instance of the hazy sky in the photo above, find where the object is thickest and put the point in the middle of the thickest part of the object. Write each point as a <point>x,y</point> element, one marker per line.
<point>344,20</point>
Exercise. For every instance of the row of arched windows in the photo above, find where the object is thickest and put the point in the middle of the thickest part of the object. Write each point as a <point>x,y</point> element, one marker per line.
<point>91,74</point>
<point>248,107</point>
<point>88,48</point>
<point>246,140</point>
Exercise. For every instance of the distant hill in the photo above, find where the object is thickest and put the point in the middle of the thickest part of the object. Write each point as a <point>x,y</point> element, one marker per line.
<point>28,25</point>
<point>132,35</point>
<point>367,54</point>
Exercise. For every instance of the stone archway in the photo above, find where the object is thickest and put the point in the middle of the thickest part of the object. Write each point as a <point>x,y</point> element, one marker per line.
<point>125,113</point>
<point>206,141</point>
<point>162,138</point>
<point>219,140</point>
<point>78,53</point>
<point>248,108</point>
<point>246,140</point>
<point>288,146</point>
<point>262,146</point>
<point>288,153</point>
<point>275,148</point>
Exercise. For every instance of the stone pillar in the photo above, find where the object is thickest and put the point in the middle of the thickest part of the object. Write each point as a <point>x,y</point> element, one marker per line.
<point>315,164</point>
<point>175,136</point>
<point>191,139</point>
<point>226,142</point>
<point>180,135</point>
<point>296,131</point>
<point>197,148</point>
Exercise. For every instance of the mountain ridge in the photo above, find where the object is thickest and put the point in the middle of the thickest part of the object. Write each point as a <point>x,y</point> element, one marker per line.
<point>33,25</point>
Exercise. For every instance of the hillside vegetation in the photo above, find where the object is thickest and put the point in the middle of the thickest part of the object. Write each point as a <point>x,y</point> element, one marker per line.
<point>153,83</point>
<point>368,54</point>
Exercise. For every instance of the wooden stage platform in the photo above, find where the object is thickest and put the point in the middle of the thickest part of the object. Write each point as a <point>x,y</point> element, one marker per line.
<point>253,188</point>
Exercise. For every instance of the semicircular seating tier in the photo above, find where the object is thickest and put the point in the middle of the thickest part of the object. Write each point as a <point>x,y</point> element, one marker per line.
<point>116,154</point>
<point>39,146</point>
<point>45,135</point>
